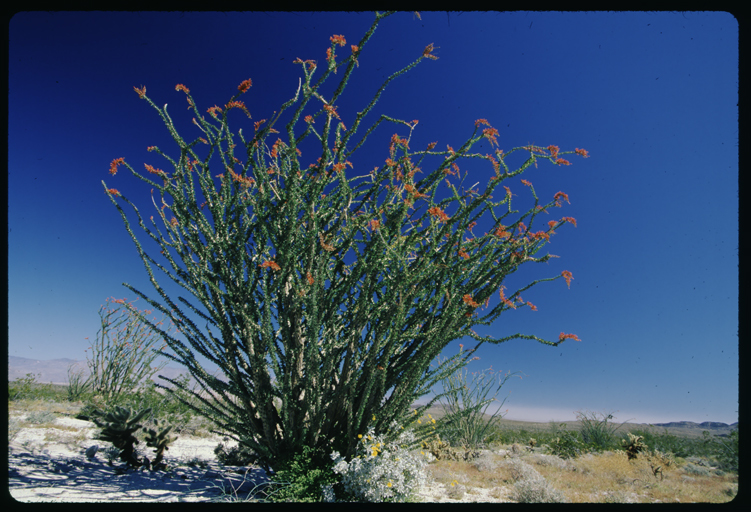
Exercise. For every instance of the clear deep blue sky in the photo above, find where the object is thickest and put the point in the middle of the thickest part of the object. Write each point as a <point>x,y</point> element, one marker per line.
<point>652,97</point>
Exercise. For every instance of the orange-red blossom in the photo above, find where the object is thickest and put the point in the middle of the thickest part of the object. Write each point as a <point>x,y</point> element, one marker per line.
<point>562,337</point>
<point>568,277</point>
<point>437,212</point>
<point>115,163</point>
<point>338,40</point>
<point>270,263</point>
<point>244,85</point>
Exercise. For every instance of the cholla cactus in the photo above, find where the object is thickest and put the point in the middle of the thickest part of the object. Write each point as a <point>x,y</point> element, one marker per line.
<point>633,446</point>
<point>117,428</point>
<point>159,441</point>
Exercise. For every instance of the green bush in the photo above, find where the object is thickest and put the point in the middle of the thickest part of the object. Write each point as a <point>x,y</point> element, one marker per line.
<point>78,386</point>
<point>27,388</point>
<point>665,442</point>
<point>302,477</point>
<point>724,449</point>
<point>596,432</point>
<point>349,276</point>
<point>568,445</point>
<point>234,455</point>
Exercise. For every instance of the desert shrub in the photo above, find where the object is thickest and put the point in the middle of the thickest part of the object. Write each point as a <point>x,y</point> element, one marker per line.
<point>465,422</point>
<point>302,477</point>
<point>118,427</point>
<point>596,432</point>
<point>485,463</point>
<point>550,460</point>
<point>237,455</point>
<point>40,417</point>
<point>27,388</point>
<point>724,449</point>
<point>380,471</point>
<point>536,490</point>
<point>122,355</point>
<point>568,445</point>
<point>14,427</point>
<point>530,486</point>
<point>78,385</point>
<point>666,442</point>
<point>693,469</point>
<point>170,406</point>
<point>346,264</point>
<point>633,446</point>
<point>442,450</point>
<point>455,490</point>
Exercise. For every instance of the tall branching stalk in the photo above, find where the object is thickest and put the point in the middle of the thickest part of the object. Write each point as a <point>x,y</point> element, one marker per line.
<point>327,293</point>
<point>123,353</point>
<point>465,404</point>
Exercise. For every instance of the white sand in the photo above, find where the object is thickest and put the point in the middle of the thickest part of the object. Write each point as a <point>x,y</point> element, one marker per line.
<point>50,465</point>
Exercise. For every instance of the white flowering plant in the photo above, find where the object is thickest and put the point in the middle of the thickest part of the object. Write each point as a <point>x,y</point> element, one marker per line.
<point>379,472</point>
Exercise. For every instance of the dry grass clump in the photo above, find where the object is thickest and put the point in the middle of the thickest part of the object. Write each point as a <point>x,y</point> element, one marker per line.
<point>607,477</point>
<point>611,478</point>
<point>530,486</point>
<point>542,459</point>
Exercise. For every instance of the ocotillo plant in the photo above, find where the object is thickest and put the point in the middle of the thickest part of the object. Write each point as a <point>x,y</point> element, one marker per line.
<point>160,441</point>
<point>465,422</point>
<point>328,292</point>
<point>118,427</point>
<point>123,352</point>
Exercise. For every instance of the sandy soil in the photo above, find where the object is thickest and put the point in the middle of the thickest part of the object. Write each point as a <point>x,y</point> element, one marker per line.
<point>50,465</point>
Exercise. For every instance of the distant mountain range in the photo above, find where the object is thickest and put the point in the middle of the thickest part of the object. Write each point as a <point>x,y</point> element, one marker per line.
<point>55,371</point>
<point>705,425</point>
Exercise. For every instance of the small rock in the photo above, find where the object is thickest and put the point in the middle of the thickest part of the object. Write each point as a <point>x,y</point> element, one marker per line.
<point>91,451</point>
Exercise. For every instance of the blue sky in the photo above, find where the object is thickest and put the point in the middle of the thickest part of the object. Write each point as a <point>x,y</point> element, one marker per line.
<point>651,96</point>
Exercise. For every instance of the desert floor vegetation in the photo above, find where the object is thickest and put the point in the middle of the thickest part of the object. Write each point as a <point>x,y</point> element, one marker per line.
<point>517,462</point>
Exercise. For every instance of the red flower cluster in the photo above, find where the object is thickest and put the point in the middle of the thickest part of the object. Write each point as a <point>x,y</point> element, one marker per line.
<point>270,263</point>
<point>245,85</point>
<point>568,277</point>
<point>338,40</point>
<point>491,134</point>
<point>181,87</point>
<point>237,104</point>
<point>501,232</point>
<point>331,110</point>
<point>504,299</point>
<point>115,163</point>
<point>427,52</point>
<point>213,110</point>
<point>560,195</point>
<point>152,170</point>
<point>565,336</point>
<point>570,219</point>
<point>244,181</point>
<point>437,212</point>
